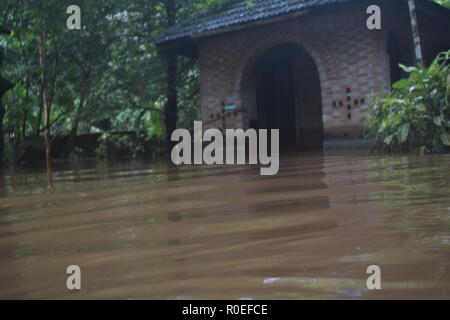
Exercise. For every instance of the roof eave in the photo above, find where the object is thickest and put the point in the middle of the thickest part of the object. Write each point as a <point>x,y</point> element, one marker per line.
<point>192,40</point>
<point>187,45</point>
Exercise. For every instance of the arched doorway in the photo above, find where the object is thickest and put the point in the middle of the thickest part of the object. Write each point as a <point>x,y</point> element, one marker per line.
<point>288,97</point>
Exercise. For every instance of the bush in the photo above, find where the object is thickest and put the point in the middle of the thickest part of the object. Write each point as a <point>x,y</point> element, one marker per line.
<point>415,115</point>
<point>116,144</point>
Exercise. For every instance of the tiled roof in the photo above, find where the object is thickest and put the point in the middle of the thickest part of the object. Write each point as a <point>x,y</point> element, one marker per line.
<point>240,13</point>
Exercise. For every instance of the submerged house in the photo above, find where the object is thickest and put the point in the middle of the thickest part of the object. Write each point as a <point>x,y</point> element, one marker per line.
<point>306,67</point>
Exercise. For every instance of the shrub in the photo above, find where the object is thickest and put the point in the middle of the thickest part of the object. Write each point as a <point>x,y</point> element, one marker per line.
<point>415,115</point>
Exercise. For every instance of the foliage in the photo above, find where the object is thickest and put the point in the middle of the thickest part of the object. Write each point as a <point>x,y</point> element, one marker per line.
<point>415,115</point>
<point>105,77</point>
<point>444,2</point>
<point>116,144</point>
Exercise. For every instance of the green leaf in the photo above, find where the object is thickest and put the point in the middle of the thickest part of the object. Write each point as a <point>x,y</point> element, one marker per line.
<point>403,132</point>
<point>407,69</point>
<point>401,84</point>
<point>445,137</point>
<point>438,121</point>
<point>389,139</point>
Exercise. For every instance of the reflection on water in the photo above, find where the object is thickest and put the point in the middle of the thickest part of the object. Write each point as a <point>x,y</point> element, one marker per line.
<point>141,230</point>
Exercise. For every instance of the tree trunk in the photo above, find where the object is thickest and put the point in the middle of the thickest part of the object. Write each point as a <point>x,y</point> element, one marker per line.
<point>170,111</point>
<point>2,142</point>
<point>70,146</point>
<point>45,105</point>
<point>5,85</point>
<point>415,32</point>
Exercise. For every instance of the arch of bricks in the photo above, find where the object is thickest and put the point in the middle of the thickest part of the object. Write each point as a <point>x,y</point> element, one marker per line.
<point>302,36</point>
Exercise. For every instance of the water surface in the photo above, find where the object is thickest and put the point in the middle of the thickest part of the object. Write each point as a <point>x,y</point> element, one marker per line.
<point>141,230</point>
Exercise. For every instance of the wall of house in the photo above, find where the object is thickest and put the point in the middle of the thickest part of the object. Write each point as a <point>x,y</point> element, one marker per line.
<point>352,62</point>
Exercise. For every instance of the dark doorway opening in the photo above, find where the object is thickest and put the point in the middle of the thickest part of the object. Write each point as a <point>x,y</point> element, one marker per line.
<point>288,97</point>
<point>395,58</point>
<point>433,49</point>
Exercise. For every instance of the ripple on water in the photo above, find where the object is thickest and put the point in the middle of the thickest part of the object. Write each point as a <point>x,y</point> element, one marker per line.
<point>144,230</point>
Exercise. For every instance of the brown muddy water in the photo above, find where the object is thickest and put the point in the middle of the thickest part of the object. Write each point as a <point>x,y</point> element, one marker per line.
<point>144,231</point>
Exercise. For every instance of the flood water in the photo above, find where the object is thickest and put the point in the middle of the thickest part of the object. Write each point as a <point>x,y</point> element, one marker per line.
<point>141,230</point>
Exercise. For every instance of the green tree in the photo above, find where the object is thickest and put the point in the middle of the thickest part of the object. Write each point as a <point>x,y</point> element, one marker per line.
<point>105,77</point>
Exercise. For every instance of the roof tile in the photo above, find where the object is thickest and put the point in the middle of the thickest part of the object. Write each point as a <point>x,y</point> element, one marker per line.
<point>240,13</point>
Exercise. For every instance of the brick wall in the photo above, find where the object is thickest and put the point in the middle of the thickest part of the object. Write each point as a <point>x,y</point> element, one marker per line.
<point>352,62</point>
